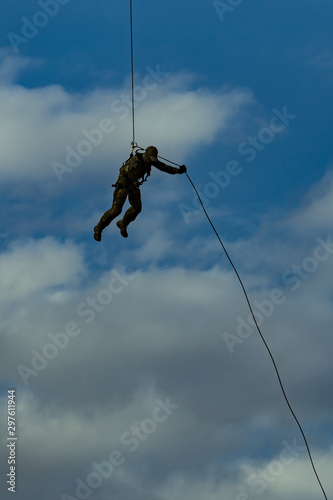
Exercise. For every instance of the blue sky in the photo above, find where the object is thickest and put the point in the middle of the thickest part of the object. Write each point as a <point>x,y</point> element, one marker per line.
<point>151,334</point>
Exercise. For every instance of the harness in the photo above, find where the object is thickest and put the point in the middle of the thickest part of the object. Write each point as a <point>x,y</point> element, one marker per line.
<point>145,176</point>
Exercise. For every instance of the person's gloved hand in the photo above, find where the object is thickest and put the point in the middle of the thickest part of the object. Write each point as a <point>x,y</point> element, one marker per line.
<point>182,169</point>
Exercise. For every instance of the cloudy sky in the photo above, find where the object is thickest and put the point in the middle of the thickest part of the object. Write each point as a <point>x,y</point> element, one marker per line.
<point>137,370</point>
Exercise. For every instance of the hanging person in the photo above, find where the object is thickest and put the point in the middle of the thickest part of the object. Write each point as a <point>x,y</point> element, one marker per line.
<point>131,175</point>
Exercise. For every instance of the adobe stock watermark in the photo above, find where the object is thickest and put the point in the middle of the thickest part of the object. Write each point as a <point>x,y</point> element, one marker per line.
<point>262,478</point>
<point>31,27</point>
<point>293,278</point>
<point>227,6</point>
<point>86,310</point>
<point>249,149</point>
<point>131,441</point>
<point>121,108</point>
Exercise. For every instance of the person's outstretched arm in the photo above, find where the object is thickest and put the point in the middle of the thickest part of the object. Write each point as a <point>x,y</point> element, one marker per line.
<point>168,168</point>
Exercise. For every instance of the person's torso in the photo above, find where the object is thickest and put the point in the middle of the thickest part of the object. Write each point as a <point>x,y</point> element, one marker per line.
<point>135,168</point>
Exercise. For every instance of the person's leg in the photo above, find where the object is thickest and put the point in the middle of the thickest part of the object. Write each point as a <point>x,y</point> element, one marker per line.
<point>119,198</point>
<point>134,198</point>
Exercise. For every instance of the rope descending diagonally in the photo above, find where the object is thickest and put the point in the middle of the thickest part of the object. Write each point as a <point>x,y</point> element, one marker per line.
<point>258,328</point>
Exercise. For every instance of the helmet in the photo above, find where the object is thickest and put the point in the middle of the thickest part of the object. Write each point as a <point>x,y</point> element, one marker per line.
<point>152,152</point>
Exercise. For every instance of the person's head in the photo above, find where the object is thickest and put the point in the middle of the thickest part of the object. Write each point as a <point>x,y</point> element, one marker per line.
<point>152,153</point>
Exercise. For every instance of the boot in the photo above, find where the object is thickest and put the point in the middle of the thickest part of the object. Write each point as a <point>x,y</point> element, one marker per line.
<point>123,228</point>
<point>97,233</point>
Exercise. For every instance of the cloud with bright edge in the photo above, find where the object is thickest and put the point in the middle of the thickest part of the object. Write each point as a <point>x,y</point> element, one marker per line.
<point>32,266</point>
<point>48,122</point>
<point>316,214</point>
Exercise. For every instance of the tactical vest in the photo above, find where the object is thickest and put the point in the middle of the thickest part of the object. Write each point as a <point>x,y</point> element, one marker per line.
<point>138,170</point>
<point>144,167</point>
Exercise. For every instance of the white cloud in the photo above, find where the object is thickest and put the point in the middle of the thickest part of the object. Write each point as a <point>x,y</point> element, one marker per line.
<point>37,125</point>
<point>30,267</point>
<point>316,213</point>
<point>181,120</point>
<point>271,478</point>
<point>11,67</point>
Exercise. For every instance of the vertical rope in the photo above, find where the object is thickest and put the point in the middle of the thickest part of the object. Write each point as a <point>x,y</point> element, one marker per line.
<point>132,71</point>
